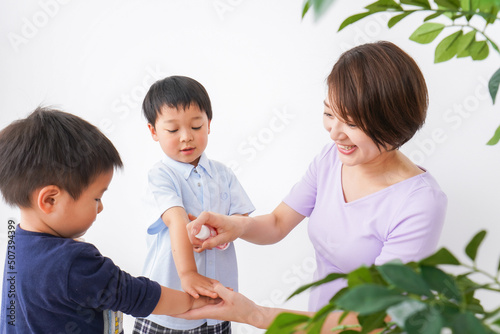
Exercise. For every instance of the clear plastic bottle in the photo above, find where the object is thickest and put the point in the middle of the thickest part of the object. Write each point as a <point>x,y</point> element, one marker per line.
<point>207,232</point>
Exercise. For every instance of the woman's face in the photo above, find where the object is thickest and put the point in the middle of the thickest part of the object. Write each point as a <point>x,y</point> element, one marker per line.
<point>354,146</point>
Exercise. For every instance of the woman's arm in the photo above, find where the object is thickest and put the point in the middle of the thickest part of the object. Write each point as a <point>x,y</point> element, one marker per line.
<point>273,227</point>
<point>263,230</point>
<point>236,307</point>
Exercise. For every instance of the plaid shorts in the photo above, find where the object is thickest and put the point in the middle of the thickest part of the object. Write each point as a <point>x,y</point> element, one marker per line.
<point>144,326</point>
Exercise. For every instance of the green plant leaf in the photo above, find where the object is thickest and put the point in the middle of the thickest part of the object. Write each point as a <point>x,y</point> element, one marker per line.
<point>343,316</point>
<point>324,311</point>
<point>372,321</point>
<point>489,14</point>
<point>456,16</point>
<point>338,294</point>
<point>479,50</point>
<point>354,18</point>
<point>369,298</point>
<point>498,270</point>
<point>314,326</point>
<point>305,9</point>
<point>395,19</point>
<point>448,47</point>
<point>473,245</point>
<point>286,323</point>
<point>320,7</point>
<point>442,256</point>
<point>466,40</point>
<point>466,323</point>
<point>465,4</point>
<point>427,32</point>
<point>441,282</point>
<point>463,53</point>
<point>359,276</point>
<point>464,44</point>
<point>419,3</point>
<point>450,4</point>
<point>468,288</point>
<point>328,278</point>
<point>493,85</point>
<point>402,311</point>
<point>384,5</point>
<point>495,139</point>
<point>494,45</point>
<point>427,321</point>
<point>494,13</point>
<point>405,279</point>
<point>466,7</point>
<point>448,312</point>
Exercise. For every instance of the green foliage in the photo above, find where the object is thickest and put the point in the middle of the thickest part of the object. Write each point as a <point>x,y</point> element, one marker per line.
<point>414,298</point>
<point>468,20</point>
<point>471,249</point>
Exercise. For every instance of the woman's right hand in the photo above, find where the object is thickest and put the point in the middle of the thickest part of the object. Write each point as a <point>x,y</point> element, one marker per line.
<point>233,307</point>
<point>229,228</point>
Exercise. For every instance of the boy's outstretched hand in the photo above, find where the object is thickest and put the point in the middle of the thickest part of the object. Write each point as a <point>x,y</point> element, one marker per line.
<point>196,285</point>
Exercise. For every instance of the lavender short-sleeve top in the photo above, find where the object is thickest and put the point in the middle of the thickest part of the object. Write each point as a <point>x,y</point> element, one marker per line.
<point>403,221</point>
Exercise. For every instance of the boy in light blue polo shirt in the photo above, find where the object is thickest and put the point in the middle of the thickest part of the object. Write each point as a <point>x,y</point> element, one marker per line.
<point>185,181</point>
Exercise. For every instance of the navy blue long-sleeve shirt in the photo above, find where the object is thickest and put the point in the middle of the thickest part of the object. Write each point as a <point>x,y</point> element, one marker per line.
<point>56,285</point>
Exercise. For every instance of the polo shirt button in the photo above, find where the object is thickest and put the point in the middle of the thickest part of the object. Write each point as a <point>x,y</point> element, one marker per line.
<point>199,184</point>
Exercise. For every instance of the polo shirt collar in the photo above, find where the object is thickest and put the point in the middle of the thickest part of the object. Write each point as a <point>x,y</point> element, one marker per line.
<point>185,169</point>
<point>205,164</point>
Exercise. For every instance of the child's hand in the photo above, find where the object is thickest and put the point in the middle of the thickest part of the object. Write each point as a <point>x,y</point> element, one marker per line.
<point>196,285</point>
<point>204,301</point>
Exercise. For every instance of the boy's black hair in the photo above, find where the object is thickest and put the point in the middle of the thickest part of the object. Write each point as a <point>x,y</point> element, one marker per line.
<point>51,147</point>
<point>175,92</point>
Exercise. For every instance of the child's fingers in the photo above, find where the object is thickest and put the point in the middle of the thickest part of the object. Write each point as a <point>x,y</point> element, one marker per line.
<point>193,293</point>
<point>208,293</point>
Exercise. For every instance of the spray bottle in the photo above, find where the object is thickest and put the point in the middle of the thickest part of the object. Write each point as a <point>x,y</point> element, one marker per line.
<point>207,232</point>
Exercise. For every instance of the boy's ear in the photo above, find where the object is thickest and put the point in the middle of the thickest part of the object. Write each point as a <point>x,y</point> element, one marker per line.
<point>152,129</point>
<point>209,121</point>
<point>47,198</point>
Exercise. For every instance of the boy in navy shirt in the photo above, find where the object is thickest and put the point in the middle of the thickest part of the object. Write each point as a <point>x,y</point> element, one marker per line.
<point>56,167</point>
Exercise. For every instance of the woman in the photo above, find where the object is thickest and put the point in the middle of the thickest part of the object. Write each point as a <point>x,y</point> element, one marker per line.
<point>367,203</point>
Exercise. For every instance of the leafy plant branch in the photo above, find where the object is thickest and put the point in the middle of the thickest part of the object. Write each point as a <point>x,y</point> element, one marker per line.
<point>416,297</point>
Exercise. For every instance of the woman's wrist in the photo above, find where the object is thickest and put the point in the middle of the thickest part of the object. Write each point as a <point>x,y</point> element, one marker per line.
<point>245,225</point>
<point>261,317</point>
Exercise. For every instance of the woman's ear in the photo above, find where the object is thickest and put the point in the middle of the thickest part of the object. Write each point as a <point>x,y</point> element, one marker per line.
<point>48,197</point>
<point>152,129</point>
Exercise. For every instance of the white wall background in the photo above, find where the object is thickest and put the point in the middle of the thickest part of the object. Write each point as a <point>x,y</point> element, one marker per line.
<point>265,71</point>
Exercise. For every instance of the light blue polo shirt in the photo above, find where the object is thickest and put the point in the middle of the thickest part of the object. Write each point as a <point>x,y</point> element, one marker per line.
<point>210,186</point>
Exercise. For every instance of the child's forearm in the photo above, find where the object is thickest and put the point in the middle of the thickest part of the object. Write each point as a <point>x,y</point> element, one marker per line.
<point>182,250</point>
<point>173,302</point>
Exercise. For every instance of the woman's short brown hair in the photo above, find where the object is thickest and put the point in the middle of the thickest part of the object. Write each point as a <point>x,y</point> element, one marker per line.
<point>381,89</point>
